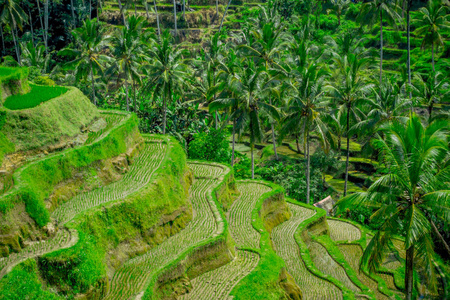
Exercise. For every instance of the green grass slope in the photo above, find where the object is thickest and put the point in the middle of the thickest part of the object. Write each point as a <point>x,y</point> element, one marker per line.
<point>51,122</point>
<point>37,95</point>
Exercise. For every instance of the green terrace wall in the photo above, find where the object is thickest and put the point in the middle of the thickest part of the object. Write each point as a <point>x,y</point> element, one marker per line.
<point>269,280</point>
<point>35,181</point>
<point>82,268</point>
<point>54,120</point>
<point>13,81</point>
<point>215,250</point>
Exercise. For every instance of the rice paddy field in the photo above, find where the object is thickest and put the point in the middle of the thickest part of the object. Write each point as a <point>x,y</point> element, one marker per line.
<point>37,95</point>
<point>252,254</point>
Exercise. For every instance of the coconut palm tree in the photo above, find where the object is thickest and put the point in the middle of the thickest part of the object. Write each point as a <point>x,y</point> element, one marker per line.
<point>175,16</point>
<point>432,21</point>
<point>430,90</point>
<point>128,51</point>
<point>349,89</point>
<point>414,192</point>
<point>247,88</point>
<point>387,104</point>
<point>339,7</point>
<point>379,11</point>
<point>270,41</point>
<point>34,56</point>
<point>12,15</point>
<point>87,57</point>
<point>167,72</point>
<point>306,110</point>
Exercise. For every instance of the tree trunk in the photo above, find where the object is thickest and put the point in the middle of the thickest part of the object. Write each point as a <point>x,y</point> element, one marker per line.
<point>175,16</point>
<point>157,18</point>
<point>274,141</point>
<point>348,150</point>
<point>74,21</point>
<point>307,167</point>
<point>432,56</point>
<point>3,40</point>
<point>430,112</point>
<point>16,48</point>
<point>232,147</point>
<point>40,18</point>
<point>146,10</point>
<point>165,111</point>
<point>135,9</point>
<point>126,94</point>
<point>184,10</point>
<point>122,13</point>
<point>134,99</point>
<point>31,25</point>
<point>46,26</point>
<point>217,8</point>
<point>252,147</point>
<point>297,144</point>
<point>224,14</point>
<point>441,238</point>
<point>409,272</point>
<point>381,46</point>
<point>93,85</point>
<point>408,36</point>
<point>90,9</point>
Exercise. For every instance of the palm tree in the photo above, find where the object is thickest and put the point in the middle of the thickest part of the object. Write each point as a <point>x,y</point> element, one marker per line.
<point>408,42</point>
<point>430,90</point>
<point>266,50</point>
<point>128,51</point>
<point>379,11</point>
<point>339,7</point>
<point>387,105</point>
<point>175,16</point>
<point>413,193</point>
<point>305,111</point>
<point>230,68</point>
<point>157,17</point>
<point>88,56</point>
<point>349,90</point>
<point>167,72</point>
<point>247,88</point>
<point>224,14</point>
<point>12,15</point>
<point>432,21</point>
<point>34,56</point>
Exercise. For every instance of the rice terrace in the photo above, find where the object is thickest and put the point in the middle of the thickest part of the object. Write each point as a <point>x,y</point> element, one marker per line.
<point>224,149</point>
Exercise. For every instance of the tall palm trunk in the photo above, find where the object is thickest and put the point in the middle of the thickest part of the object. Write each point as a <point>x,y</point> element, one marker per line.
<point>233,144</point>
<point>409,272</point>
<point>308,162</point>
<point>224,14</point>
<point>46,26</point>
<point>32,30</point>
<point>184,10</point>
<point>274,141</point>
<point>175,16</point>
<point>74,21</point>
<point>40,19</point>
<point>146,10</point>
<point>165,110</point>
<point>408,36</point>
<point>157,18</point>
<point>135,8</point>
<point>217,8</point>
<point>93,85</point>
<point>252,147</point>
<point>3,40</point>
<point>126,94</point>
<point>134,97</point>
<point>90,9</point>
<point>122,12</point>
<point>432,56</point>
<point>348,150</point>
<point>297,144</point>
<point>381,46</point>
<point>16,47</point>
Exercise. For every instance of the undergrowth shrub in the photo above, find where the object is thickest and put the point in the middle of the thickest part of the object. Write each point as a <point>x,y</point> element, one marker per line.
<point>211,146</point>
<point>23,283</point>
<point>44,80</point>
